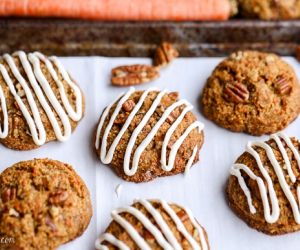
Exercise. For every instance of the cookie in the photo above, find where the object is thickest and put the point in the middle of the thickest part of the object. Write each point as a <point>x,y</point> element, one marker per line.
<point>146,134</point>
<point>270,9</point>
<point>39,102</point>
<point>43,204</point>
<point>153,224</point>
<point>263,188</point>
<point>252,92</point>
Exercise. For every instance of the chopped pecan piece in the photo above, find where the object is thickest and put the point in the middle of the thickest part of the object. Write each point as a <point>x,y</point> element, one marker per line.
<point>54,211</point>
<point>16,105</point>
<point>149,237</point>
<point>174,95</point>
<point>133,75</point>
<point>182,215</point>
<point>170,119</point>
<point>12,212</point>
<point>283,85</point>
<point>59,197</point>
<point>120,119</point>
<point>50,224</point>
<point>165,54</point>
<point>128,105</point>
<point>236,92</point>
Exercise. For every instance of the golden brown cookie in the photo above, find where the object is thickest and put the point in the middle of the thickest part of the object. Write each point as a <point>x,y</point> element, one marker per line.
<point>270,9</point>
<point>39,102</point>
<point>153,224</point>
<point>253,92</point>
<point>147,134</point>
<point>43,204</point>
<point>263,189</point>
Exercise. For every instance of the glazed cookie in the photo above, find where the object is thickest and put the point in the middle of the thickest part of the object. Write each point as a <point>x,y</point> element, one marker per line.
<point>253,92</point>
<point>270,9</point>
<point>153,224</point>
<point>263,188</point>
<point>38,101</point>
<point>146,134</point>
<point>43,204</point>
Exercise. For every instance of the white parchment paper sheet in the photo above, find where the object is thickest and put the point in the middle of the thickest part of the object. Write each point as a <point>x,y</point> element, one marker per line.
<point>202,190</point>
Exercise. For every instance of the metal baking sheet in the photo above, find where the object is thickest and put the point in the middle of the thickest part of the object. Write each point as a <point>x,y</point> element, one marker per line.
<point>136,39</point>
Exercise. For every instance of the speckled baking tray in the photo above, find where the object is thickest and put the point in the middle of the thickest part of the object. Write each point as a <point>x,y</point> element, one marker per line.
<point>76,37</point>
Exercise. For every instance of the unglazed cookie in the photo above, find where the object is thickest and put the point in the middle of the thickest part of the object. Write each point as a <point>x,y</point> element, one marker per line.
<point>39,102</point>
<point>270,9</point>
<point>263,188</point>
<point>146,134</point>
<point>253,92</point>
<point>153,224</point>
<point>43,204</point>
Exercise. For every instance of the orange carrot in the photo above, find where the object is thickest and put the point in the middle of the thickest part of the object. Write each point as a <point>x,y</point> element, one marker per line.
<point>177,10</point>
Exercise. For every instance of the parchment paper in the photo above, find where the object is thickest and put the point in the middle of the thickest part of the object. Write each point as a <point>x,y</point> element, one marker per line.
<point>202,190</point>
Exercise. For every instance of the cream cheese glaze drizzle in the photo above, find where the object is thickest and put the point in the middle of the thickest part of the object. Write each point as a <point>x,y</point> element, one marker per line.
<point>38,83</point>
<point>106,157</point>
<point>271,214</point>
<point>163,235</point>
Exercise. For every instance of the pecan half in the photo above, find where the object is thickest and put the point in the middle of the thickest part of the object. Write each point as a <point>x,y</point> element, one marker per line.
<point>128,105</point>
<point>283,85</point>
<point>9,194</point>
<point>59,197</point>
<point>236,92</point>
<point>164,54</point>
<point>133,75</point>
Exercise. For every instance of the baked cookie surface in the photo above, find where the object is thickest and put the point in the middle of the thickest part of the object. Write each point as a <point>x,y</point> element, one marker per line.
<point>270,9</point>
<point>147,134</point>
<point>253,92</point>
<point>263,189</point>
<point>43,204</point>
<point>39,102</point>
<point>153,224</point>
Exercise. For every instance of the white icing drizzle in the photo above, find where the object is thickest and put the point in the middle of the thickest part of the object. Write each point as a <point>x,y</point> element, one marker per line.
<point>111,239</point>
<point>44,93</point>
<point>118,190</point>
<point>165,238</point>
<point>4,125</point>
<point>106,157</point>
<point>273,216</point>
<point>190,162</point>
